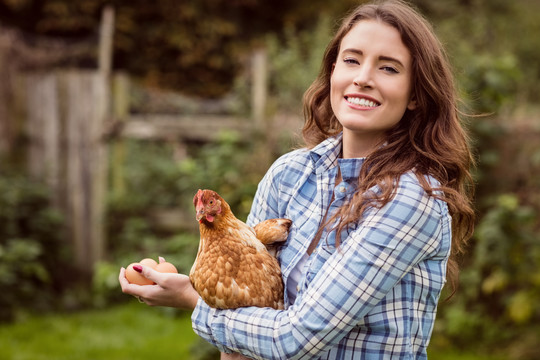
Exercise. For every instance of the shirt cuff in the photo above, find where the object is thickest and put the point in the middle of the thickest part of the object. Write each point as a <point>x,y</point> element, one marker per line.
<point>202,323</point>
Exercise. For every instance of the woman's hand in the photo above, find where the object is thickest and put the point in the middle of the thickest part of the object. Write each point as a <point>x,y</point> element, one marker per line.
<point>173,290</point>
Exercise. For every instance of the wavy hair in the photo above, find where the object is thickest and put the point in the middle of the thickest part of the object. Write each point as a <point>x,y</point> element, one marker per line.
<point>428,140</point>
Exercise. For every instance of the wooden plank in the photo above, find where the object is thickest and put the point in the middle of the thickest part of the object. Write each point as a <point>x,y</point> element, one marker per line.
<point>43,129</point>
<point>106,34</point>
<point>259,86</point>
<point>189,127</point>
<point>120,110</point>
<point>85,164</point>
<point>6,133</point>
<point>77,164</point>
<point>173,219</point>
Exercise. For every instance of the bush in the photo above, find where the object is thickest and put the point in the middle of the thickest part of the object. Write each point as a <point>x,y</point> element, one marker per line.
<point>490,82</point>
<point>154,179</point>
<point>295,60</point>
<point>32,248</point>
<point>500,286</point>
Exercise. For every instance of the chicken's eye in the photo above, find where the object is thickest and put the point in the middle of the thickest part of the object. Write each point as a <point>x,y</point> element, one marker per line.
<point>211,202</point>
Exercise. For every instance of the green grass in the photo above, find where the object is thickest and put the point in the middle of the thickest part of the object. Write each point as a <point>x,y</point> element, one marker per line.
<point>457,355</point>
<point>133,331</point>
<point>128,332</point>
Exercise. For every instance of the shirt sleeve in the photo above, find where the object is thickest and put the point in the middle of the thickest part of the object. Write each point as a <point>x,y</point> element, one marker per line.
<point>388,243</point>
<point>265,203</point>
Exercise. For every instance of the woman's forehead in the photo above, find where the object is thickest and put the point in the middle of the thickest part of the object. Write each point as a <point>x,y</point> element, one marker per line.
<point>375,37</point>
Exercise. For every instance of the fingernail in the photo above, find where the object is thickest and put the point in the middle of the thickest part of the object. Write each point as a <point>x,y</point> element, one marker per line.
<point>137,268</point>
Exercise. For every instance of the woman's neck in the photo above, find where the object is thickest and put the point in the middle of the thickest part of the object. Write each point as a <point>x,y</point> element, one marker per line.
<point>358,145</point>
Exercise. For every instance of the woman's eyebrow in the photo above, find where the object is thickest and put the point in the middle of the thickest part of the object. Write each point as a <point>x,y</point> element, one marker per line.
<point>389,58</point>
<point>354,51</point>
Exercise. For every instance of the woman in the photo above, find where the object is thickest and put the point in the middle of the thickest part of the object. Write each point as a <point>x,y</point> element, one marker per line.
<point>379,203</point>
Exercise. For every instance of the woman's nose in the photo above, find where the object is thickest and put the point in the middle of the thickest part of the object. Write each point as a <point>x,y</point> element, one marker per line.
<point>364,79</point>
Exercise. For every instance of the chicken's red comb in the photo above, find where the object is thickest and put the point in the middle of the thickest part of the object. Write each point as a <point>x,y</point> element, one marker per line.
<point>197,197</point>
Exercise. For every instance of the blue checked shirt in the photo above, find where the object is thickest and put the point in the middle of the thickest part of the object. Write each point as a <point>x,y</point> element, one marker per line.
<point>374,297</point>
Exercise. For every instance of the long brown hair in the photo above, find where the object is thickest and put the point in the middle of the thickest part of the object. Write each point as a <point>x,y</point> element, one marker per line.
<point>428,140</point>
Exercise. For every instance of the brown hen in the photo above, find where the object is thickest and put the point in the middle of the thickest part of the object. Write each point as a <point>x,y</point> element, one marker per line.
<point>233,267</point>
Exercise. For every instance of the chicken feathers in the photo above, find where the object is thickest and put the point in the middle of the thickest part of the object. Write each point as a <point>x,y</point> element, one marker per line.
<point>233,267</point>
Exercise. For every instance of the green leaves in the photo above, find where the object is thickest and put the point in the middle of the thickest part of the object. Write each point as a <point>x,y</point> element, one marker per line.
<point>491,82</point>
<point>522,306</point>
<point>31,253</point>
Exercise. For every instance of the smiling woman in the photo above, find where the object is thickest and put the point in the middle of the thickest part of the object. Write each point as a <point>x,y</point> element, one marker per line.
<point>370,85</point>
<point>378,201</point>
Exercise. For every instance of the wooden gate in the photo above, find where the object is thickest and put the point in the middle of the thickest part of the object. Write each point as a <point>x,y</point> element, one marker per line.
<point>65,118</point>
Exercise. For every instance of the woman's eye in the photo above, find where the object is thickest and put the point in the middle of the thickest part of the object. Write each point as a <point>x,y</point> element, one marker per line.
<point>351,61</point>
<point>390,69</point>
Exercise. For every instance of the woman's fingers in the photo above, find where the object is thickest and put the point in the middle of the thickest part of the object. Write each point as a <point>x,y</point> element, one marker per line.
<point>127,288</point>
<point>122,276</point>
<point>124,283</point>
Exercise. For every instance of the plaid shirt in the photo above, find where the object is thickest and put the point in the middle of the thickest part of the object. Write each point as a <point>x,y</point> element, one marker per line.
<point>374,297</point>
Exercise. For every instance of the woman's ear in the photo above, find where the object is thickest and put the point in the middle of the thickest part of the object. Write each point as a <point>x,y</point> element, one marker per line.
<point>412,103</point>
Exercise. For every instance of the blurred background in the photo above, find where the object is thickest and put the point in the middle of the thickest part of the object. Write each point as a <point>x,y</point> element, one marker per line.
<point>114,113</point>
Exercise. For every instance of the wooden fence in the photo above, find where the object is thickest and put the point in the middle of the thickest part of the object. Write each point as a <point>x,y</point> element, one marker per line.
<point>65,116</point>
<point>67,123</point>
<point>68,118</point>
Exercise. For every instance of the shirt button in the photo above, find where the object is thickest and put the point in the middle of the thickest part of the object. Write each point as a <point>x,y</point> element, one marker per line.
<point>342,189</point>
<point>297,288</point>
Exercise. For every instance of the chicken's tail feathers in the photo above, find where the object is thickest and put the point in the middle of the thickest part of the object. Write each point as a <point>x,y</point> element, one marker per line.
<point>273,231</point>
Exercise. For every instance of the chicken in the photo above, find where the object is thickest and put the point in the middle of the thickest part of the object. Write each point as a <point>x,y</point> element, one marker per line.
<point>233,267</point>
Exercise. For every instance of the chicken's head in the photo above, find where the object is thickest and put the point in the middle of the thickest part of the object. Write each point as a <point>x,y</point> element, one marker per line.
<point>207,205</point>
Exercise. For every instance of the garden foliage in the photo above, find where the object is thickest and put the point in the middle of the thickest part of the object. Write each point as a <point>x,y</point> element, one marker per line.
<point>33,260</point>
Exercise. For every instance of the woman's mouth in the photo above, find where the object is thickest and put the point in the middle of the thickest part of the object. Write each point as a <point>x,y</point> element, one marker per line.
<point>360,101</point>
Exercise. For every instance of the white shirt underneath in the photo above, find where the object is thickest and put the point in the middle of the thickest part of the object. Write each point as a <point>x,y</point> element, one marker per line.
<point>295,277</point>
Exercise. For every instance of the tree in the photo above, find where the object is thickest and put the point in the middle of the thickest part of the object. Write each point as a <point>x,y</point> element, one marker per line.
<point>195,46</point>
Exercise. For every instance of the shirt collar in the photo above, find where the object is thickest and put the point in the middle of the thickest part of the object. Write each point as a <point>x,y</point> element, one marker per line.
<point>350,169</point>
<point>326,154</point>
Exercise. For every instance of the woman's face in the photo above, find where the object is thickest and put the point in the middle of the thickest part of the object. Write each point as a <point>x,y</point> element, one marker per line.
<point>370,86</point>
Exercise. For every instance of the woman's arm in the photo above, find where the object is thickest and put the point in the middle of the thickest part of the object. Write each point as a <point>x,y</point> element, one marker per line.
<point>265,204</point>
<point>356,277</point>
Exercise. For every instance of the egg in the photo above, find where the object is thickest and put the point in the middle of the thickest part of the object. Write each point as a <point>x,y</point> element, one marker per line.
<point>166,267</point>
<point>149,262</point>
<point>135,277</point>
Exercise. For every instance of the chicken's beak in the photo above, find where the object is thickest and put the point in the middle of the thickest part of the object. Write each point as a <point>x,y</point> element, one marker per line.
<point>200,214</point>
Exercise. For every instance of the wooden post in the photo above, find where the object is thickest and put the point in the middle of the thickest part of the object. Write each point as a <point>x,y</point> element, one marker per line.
<point>120,114</point>
<point>259,87</point>
<point>86,164</point>
<point>4,116</point>
<point>8,128</point>
<point>106,35</point>
<point>99,156</point>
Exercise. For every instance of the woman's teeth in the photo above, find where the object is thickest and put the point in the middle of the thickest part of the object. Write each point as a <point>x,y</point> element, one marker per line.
<point>362,102</point>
